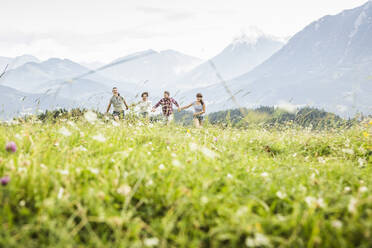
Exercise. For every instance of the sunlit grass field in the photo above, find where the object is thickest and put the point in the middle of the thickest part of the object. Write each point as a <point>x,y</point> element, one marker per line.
<point>79,183</point>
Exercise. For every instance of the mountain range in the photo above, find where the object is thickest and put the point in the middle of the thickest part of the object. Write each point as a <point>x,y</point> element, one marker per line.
<point>326,65</point>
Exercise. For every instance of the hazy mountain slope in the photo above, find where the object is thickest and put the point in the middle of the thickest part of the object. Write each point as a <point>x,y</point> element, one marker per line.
<point>328,64</point>
<point>241,56</point>
<point>152,71</point>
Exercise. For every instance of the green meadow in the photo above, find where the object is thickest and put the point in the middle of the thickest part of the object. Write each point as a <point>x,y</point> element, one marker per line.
<point>94,183</point>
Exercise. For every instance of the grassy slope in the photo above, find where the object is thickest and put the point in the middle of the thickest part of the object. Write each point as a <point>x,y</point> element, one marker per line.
<point>252,187</point>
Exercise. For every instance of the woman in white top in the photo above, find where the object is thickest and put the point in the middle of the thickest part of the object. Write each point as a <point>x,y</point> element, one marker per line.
<point>144,105</point>
<point>199,110</point>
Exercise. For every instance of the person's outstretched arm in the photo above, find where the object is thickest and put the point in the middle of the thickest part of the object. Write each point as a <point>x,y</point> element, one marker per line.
<point>176,103</point>
<point>186,107</point>
<point>125,103</point>
<point>108,107</point>
<point>156,106</point>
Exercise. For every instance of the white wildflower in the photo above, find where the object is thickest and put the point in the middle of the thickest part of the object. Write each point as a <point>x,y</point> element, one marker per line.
<point>94,170</point>
<point>209,153</point>
<point>17,136</point>
<point>176,163</point>
<point>281,195</point>
<point>161,167</point>
<point>259,240</point>
<point>63,172</point>
<point>348,151</point>
<point>204,200</point>
<point>64,131</point>
<point>60,192</point>
<point>264,174</point>
<point>193,146</point>
<point>352,205</point>
<point>149,182</point>
<point>363,189</point>
<point>82,149</point>
<point>362,162</point>
<point>71,123</point>
<point>99,137</point>
<point>124,190</point>
<point>150,242</point>
<point>321,160</point>
<point>347,189</point>
<point>90,116</point>
<point>337,224</point>
<point>229,176</point>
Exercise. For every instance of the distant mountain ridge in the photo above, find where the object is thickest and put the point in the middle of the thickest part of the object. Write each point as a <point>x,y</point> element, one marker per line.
<point>241,56</point>
<point>327,65</point>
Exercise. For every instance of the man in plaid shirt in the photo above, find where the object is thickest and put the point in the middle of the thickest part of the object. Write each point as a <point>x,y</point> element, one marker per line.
<point>167,107</point>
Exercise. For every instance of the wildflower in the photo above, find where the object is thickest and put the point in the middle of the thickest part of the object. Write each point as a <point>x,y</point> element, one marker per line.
<point>176,163</point>
<point>149,183</point>
<point>193,146</point>
<point>208,153</point>
<point>94,170</point>
<point>352,205</point>
<point>337,224</point>
<point>365,134</point>
<point>17,136</point>
<point>258,241</point>
<point>150,242</point>
<point>99,138</point>
<point>82,149</point>
<point>363,189</point>
<point>313,202</point>
<point>347,189</point>
<point>321,160</point>
<point>215,139</point>
<point>64,131</point>
<point>188,130</point>
<point>229,176</point>
<point>90,116</point>
<point>204,200</point>
<point>370,122</point>
<point>63,172</point>
<point>161,167</point>
<point>124,190</point>
<point>281,195</point>
<point>264,174</point>
<point>11,147</point>
<point>60,192</point>
<point>348,151</point>
<point>71,123</point>
<point>361,162</point>
<point>5,180</point>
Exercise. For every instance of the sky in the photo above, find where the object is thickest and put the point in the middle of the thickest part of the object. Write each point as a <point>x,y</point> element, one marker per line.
<point>104,30</point>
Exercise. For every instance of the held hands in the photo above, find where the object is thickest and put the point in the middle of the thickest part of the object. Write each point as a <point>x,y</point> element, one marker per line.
<point>179,109</point>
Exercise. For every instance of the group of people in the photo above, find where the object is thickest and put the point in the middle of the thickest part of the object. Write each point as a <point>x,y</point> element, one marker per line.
<point>118,102</point>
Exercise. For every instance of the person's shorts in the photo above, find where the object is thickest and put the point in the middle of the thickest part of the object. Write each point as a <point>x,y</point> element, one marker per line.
<point>119,114</point>
<point>199,117</point>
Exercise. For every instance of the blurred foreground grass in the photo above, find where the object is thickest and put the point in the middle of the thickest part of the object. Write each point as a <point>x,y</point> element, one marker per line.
<point>79,184</point>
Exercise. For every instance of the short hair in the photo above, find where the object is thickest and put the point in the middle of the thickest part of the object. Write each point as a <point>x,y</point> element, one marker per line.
<point>144,93</point>
<point>167,92</point>
<point>115,88</point>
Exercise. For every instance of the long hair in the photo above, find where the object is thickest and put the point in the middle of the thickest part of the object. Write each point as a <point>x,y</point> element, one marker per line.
<point>201,96</point>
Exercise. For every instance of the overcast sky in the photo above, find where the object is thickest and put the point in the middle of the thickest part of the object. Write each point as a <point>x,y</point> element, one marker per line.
<point>103,30</point>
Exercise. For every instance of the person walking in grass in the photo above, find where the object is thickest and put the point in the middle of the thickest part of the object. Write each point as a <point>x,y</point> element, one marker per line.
<point>199,110</point>
<point>167,107</point>
<point>118,103</point>
<point>144,106</point>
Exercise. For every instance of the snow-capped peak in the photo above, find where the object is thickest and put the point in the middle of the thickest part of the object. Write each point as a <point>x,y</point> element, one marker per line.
<point>249,35</point>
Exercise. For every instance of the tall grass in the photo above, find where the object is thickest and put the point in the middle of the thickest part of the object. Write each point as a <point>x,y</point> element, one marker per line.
<point>75,183</point>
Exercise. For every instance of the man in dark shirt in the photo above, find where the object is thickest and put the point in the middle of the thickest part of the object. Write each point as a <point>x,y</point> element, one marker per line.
<point>167,107</point>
